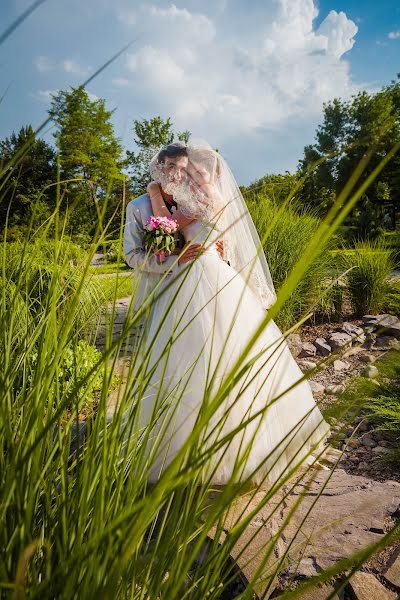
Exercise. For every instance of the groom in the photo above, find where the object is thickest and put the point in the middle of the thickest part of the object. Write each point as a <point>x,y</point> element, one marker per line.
<point>146,267</point>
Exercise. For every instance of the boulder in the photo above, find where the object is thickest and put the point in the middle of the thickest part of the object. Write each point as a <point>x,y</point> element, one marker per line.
<point>388,323</point>
<point>365,586</point>
<point>322,346</point>
<point>307,350</point>
<point>338,339</point>
<point>357,333</point>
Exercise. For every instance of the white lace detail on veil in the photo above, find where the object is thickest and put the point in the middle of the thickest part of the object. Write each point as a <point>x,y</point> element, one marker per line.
<point>210,194</point>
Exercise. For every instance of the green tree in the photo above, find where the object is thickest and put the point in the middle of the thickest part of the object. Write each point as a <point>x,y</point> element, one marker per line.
<point>349,130</point>
<point>26,183</point>
<point>91,157</point>
<point>150,135</point>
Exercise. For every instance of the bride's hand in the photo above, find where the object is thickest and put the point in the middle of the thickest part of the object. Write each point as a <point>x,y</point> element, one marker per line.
<point>190,252</point>
<point>220,248</point>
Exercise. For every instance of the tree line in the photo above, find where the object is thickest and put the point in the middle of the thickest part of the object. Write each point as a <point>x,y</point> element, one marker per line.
<point>366,125</point>
<point>87,173</point>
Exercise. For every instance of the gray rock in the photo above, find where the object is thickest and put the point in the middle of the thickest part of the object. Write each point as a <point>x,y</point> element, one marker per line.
<point>380,451</point>
<point>367,319</point>
<point>340,365</point>
<point>339,339</point>
<point>388,323</point>
<point>364,426</point>
<point>307,350</point>
<point>317,388</point>
<point>322,346</point>
<point>392,575</point>
<point>387,341</point>
<point>365,586</point>
<point>368,442</point>
<point>367,358</point>
<point>306,365</point>
<point>357,333</point>
<point>353,442</point>
<point>318,593</point>
<point>295,343</point>
<point>348,515</point>
<point>362,466</point>
<point>334,390</point>
<point>370,371</point>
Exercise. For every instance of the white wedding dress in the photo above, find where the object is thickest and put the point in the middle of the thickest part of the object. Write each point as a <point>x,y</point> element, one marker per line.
<point>211,313</point>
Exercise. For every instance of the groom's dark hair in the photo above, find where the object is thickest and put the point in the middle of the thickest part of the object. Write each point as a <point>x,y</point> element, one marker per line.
<point>172,151</point>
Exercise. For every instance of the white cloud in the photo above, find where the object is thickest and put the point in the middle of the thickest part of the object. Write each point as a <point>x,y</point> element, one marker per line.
<point>71,66</point>
<point>156,67</point>
<point>339,32</point>
<point>181,23</point>
<point>224,85</point>
<point>43,64</point>
<point>92,97</point>
<point>45,95</point>
<point>120,81</point>
<point>394,35</point>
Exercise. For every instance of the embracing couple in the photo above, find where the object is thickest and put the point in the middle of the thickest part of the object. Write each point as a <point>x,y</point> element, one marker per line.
<point>212,365</point>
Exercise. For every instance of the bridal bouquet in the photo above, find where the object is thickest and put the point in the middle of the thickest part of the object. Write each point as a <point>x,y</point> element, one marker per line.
<point>159,236</point>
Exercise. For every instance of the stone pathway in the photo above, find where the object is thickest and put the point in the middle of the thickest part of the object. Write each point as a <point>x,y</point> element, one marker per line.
<point>352,512</point>
<point>121,311</point>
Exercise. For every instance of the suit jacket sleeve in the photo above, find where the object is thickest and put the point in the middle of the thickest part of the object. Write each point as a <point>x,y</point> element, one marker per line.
<point>134,253</point>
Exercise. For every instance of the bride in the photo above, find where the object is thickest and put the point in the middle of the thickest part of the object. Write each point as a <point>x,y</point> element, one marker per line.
<point>218,374</point>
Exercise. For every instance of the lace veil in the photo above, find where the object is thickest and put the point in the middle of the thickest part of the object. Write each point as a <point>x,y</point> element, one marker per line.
<point>210,193</point>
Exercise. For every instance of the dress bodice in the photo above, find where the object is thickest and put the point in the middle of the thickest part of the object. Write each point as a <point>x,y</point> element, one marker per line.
<point>199,233</point>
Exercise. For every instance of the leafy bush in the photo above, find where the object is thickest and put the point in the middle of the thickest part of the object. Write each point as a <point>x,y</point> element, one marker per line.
<point>370,265</point>
<point>75,364</point>
<point>113,251</point>
<point>392,300</point>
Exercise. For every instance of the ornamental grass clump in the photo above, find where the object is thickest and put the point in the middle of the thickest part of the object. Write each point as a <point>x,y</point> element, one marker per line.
<point>290,230</point>
<point>369,266</point>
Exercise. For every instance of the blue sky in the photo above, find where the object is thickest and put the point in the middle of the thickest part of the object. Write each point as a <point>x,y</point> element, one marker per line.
<point>250,78</point>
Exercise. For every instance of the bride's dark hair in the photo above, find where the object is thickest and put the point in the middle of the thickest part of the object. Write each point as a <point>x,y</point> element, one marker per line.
<point>172,151</point>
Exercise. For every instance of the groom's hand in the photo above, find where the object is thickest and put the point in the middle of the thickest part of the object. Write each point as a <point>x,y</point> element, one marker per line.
<point>190,252</point>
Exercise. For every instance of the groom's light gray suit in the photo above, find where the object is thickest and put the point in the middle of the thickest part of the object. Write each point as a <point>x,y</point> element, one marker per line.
<point>147,271</point>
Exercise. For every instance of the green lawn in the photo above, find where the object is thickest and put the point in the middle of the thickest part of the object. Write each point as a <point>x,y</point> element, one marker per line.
<point>109,268</point>
<point>116,287</point>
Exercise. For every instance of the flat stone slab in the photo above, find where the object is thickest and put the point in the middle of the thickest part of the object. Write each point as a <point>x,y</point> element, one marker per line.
<point>392,575</point>
<point>366,587</point>
<point>349,514</point>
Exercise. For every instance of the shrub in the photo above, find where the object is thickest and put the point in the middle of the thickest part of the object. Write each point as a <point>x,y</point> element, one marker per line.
<point>392,300</point>
<point>370,265</point>
<point>75,364</point>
